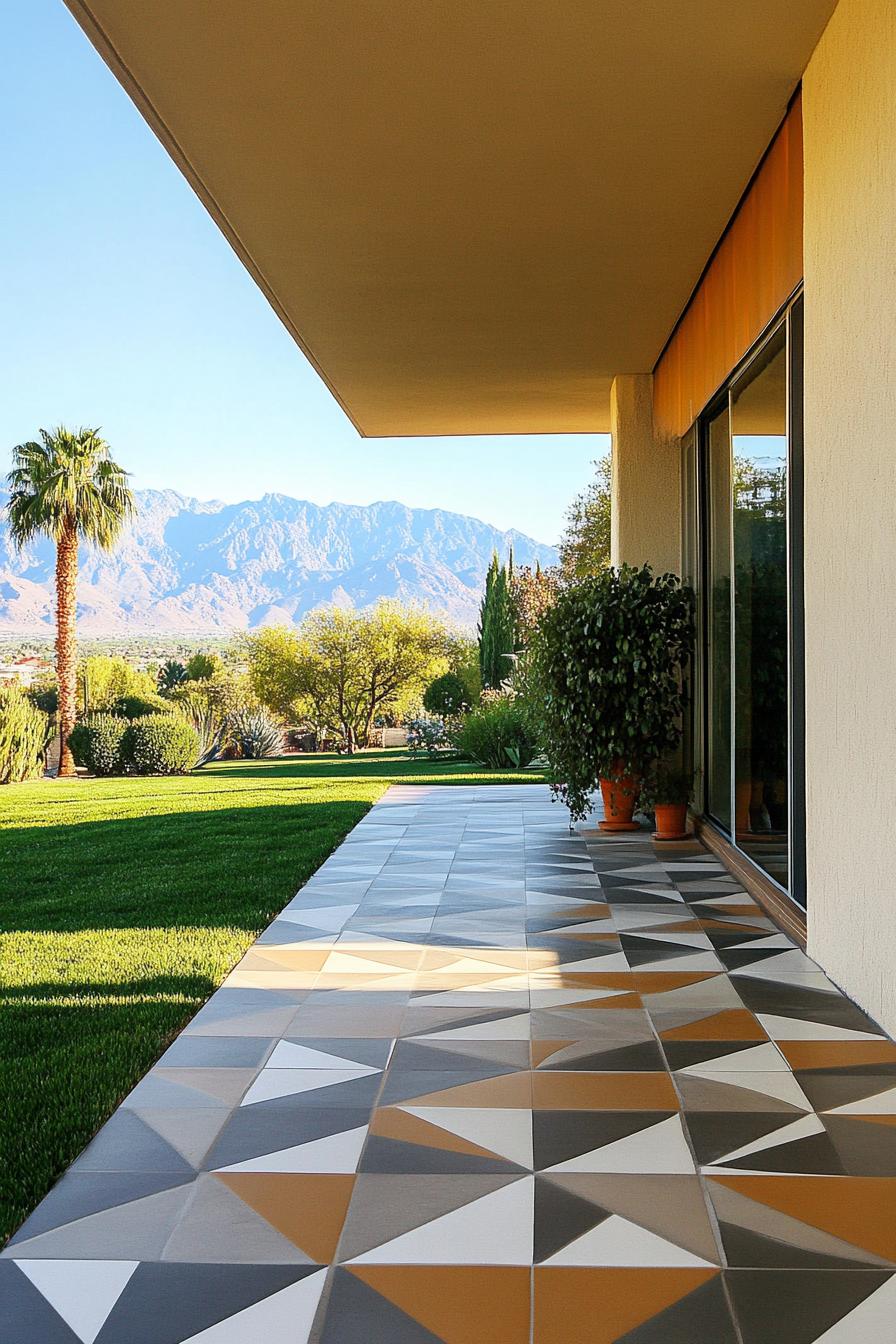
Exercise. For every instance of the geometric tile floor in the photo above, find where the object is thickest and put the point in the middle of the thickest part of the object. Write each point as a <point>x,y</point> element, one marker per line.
<point>485,1081</point>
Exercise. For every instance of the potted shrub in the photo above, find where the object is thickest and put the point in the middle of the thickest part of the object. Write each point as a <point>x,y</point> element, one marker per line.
<point>667,793</point>
<point>609,658</point>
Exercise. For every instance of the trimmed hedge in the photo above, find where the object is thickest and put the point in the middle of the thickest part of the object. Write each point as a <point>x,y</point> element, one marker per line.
<point>138,706</point>
<point>97,742</point>
<point>161,744</point>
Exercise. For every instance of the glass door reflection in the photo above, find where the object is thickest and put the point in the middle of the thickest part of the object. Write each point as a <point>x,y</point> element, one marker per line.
<point>718,618</point>
<point>760,609</point>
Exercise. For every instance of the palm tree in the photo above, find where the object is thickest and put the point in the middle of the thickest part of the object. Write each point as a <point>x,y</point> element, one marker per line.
<point>171,675</point>
<point>67,487</point>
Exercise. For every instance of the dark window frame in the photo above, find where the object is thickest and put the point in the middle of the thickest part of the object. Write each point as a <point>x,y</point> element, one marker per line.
<point>790,316</point>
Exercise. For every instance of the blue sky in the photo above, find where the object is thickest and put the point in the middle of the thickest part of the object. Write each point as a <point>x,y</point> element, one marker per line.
<point>123,306</point>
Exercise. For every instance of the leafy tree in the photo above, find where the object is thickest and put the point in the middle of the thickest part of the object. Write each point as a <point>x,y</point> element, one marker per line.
<point>446,696</point>
<point>67,487</point>
<point>532,592</point>
<point>203,666</point>
<point>463,660</point>
<point>171,674</point>
<point>103,680</point>
<point>497,634</point>
<point>275,676</point>
<point>343,668</point>
<point>585,545</point>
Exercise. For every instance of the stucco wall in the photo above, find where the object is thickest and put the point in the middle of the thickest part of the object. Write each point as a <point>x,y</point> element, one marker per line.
<point>849,112</point>
<point>645,522</point>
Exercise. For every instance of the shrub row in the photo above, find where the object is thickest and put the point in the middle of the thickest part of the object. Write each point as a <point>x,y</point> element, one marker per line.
<point>155,744</point>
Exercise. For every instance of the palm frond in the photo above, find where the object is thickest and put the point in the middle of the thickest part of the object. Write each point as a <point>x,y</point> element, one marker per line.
<point>68,479</point>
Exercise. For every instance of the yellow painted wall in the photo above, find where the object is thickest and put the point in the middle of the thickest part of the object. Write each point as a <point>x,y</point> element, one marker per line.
<point>849,121</point>
<point>645,521</point>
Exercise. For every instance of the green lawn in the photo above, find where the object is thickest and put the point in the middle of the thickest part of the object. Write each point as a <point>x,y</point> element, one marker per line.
<point>125,903</point>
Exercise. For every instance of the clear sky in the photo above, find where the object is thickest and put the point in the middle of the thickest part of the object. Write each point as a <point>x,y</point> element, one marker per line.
<point>123,306</point>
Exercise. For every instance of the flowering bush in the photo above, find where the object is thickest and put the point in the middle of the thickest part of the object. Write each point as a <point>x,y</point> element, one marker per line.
<point>429,735</point>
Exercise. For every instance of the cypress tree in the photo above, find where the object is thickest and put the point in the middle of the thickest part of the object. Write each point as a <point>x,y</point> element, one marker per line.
<point>497,634</point>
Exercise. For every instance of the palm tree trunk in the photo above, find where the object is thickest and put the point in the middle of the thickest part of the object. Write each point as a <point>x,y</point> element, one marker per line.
<point>66,651</point>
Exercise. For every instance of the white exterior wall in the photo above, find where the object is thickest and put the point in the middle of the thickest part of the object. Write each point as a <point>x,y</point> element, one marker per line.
<point>849,110</point>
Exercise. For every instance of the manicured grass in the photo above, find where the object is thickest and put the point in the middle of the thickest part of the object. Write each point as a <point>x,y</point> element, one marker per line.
<point>125,903</point>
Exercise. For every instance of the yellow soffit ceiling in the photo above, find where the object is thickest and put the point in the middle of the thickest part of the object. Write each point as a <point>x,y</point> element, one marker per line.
<point>470,214</point>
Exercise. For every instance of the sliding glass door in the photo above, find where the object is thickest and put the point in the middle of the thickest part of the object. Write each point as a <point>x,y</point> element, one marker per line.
<point>751,643</point>
<point>759,447</point>
<point>717,467</point>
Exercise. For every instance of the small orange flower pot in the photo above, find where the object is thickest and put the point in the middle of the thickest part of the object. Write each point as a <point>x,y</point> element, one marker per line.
<point>671,821</point>
<point>620,796</point>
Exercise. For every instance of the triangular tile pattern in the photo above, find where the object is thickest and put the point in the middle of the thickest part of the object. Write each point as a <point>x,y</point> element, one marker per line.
<point>489,1078</point>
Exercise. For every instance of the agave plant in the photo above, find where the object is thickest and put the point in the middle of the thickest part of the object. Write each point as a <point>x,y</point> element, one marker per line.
<point>209,721</point>
<point>255,733</point>
<point>211,730</point>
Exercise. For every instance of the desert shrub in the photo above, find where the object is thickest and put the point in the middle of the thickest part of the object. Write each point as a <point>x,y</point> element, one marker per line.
<point>97,742</point>
<point>497,733</point>
<point>138,706</point>
<point>24,731</point>
<point>161,744</point>
<point>446,696</point>
<point>255,734</point>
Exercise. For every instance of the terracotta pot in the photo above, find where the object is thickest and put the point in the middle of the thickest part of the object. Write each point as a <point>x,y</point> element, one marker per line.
<point>671,821</point>
<point>620,796</point>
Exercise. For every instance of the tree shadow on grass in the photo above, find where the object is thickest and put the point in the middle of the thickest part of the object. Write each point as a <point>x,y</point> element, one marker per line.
<point>157,909</point>
<point>64,1067</point>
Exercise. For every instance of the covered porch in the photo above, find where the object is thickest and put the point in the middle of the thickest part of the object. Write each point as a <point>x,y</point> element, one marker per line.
<point>487,1078</point>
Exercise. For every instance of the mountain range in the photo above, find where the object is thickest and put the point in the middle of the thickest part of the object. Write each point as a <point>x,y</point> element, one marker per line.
<point>188,565</point>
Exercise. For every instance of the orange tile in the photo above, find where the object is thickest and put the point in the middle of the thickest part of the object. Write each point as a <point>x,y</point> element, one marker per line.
<point>391,1123</point>
<point>573,934</point>
<point>858,1209</point>
<point>513,1091</point>
<point>309,1210</point>
<point>603,1092</point>
<point>600,1306</point>
<point>542,1050</point>
<point>836,1054</point>
<point>465,1304</point>
<point>648,982</point>
<point>733,1024</point>
<point>609,1005</point>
